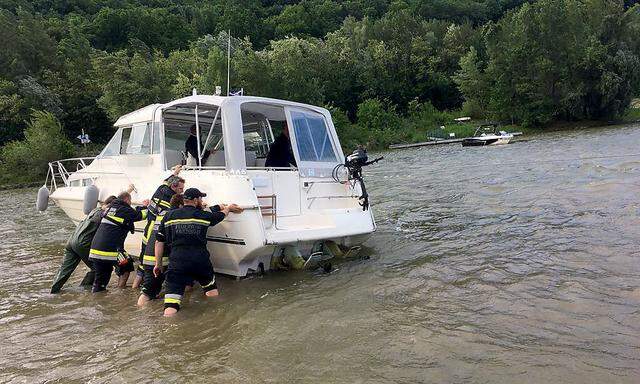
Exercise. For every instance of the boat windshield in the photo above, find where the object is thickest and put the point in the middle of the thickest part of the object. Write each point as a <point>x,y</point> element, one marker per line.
<point>131,140</point>
<point>312,137</point>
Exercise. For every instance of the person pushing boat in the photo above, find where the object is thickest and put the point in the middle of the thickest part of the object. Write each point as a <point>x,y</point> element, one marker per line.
<point>107,247</point>
<point>184,230</point>
<point>77,248</point>
<point>159,203</point>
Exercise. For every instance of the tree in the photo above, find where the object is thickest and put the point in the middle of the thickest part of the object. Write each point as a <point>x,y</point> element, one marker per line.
<point>44,141</point>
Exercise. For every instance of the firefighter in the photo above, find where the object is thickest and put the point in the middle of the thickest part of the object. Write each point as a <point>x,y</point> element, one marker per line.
<point>107,248</point>
<point>160,202</point>
<point>77,248</point>
<point>184,230</point>
<point>152,284</point>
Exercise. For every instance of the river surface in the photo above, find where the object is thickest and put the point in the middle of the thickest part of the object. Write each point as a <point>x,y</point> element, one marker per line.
<point>512,264</point>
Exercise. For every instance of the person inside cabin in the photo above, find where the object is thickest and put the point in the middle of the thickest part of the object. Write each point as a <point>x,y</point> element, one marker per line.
<point>77,248</point>
<point>280,152</point>
<point>107,247</point>
<point>191,146</point>
<point>184,231</point>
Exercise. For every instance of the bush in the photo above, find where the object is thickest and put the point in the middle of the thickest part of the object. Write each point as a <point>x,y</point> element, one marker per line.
<point>44,141</point>
<point>379,124</point>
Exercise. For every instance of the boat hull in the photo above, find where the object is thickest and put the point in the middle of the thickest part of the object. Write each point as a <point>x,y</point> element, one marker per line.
<point>479,141</point>
<point>247,242</point>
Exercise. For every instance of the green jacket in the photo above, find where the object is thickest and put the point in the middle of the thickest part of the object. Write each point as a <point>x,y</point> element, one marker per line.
<point>81,238</point>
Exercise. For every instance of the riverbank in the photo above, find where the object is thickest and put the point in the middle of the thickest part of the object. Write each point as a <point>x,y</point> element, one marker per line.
<point>467,129</point>
<point>6,187</point>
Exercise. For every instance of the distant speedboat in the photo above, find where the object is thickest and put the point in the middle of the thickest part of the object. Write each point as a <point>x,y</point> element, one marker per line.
<point>487,134</point>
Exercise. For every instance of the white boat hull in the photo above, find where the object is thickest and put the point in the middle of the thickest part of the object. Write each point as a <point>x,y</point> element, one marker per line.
<point>486,140</point>
<point>242,242</point>
<point>291,206</point>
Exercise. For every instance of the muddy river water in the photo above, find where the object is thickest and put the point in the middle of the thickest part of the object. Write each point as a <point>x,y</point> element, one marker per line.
<point>512,264</point>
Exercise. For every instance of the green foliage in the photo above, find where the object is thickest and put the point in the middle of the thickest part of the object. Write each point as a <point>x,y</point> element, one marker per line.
<point>555,59</point>
<point>389,69</point>
<point>44,142</point>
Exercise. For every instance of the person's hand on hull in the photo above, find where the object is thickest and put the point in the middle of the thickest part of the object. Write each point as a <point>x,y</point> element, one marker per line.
<point>145,202</point>
<point>176,169</point>
<point>235,208</point>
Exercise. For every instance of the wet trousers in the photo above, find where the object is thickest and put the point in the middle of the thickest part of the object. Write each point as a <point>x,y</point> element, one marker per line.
<point>184,268</point>
<point>71,259</point>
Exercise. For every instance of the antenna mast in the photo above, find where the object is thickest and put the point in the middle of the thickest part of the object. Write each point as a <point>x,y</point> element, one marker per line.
<point>228,60</point>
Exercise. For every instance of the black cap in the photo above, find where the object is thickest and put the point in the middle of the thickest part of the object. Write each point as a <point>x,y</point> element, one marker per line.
<point>193,193</point>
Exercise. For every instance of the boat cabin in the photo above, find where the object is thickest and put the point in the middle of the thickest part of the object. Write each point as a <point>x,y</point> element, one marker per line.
<point>232,133</point>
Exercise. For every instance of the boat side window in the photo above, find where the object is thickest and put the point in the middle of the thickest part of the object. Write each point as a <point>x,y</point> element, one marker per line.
<point>138,142</point>
<point>126,135</point>
<point>156,138</point>
<point>261,124</point>
<point>113,147</point>
<point>312,137</point>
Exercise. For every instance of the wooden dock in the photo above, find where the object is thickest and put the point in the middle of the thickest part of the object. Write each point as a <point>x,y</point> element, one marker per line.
<point>435,142</point>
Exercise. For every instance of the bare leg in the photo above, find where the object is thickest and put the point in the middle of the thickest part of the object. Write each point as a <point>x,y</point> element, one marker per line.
<point>137,281</point>
<point>122,280</point>
<point>169,312</point>
<point>142,300</point>
<point>212,293</point>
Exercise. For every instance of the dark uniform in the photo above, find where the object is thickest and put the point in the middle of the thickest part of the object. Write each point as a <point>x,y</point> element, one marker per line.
<point>160,203</point>
<point>184,230</point>
<point>280,153</point>
<point>153,285</point>
<point>191,146</point>
<point>77,249</point>
<point>108,241</point>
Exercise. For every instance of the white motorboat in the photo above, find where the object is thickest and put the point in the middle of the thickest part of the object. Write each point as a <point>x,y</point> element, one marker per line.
<point>315,210</point>
<point>487,134</point>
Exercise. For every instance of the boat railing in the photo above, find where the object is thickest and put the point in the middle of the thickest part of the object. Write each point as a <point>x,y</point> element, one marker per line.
<point>60,170</point>
<point>269,210</point>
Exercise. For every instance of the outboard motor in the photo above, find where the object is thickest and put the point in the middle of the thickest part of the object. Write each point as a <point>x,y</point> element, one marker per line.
<point>91,194</point>
<point>354,163</point>
<point>42,201</point>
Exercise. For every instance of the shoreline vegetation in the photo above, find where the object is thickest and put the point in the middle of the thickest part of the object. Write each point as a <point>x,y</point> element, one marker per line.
<point>390,71</point>
<point>9,180</point>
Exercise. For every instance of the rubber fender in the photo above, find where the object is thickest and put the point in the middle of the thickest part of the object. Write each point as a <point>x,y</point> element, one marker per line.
<point>91,194</point>
<point>42,201</point>
<point>333,249</point>
<point>293,257</point>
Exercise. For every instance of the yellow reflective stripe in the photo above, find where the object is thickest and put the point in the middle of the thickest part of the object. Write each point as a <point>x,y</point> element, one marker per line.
<point>144,213</point>
<point>116,218</point>
<point>164,203</point>
<point>147,235</point>
<point>103,253</point>
<point>171,301</point>
<point>195,221</point>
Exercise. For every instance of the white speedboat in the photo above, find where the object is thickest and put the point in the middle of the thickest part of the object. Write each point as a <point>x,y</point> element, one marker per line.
<point>487,135</point>
<point>315,210</point>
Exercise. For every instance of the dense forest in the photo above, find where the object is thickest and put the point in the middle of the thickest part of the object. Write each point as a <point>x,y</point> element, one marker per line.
<point>388,70</point>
